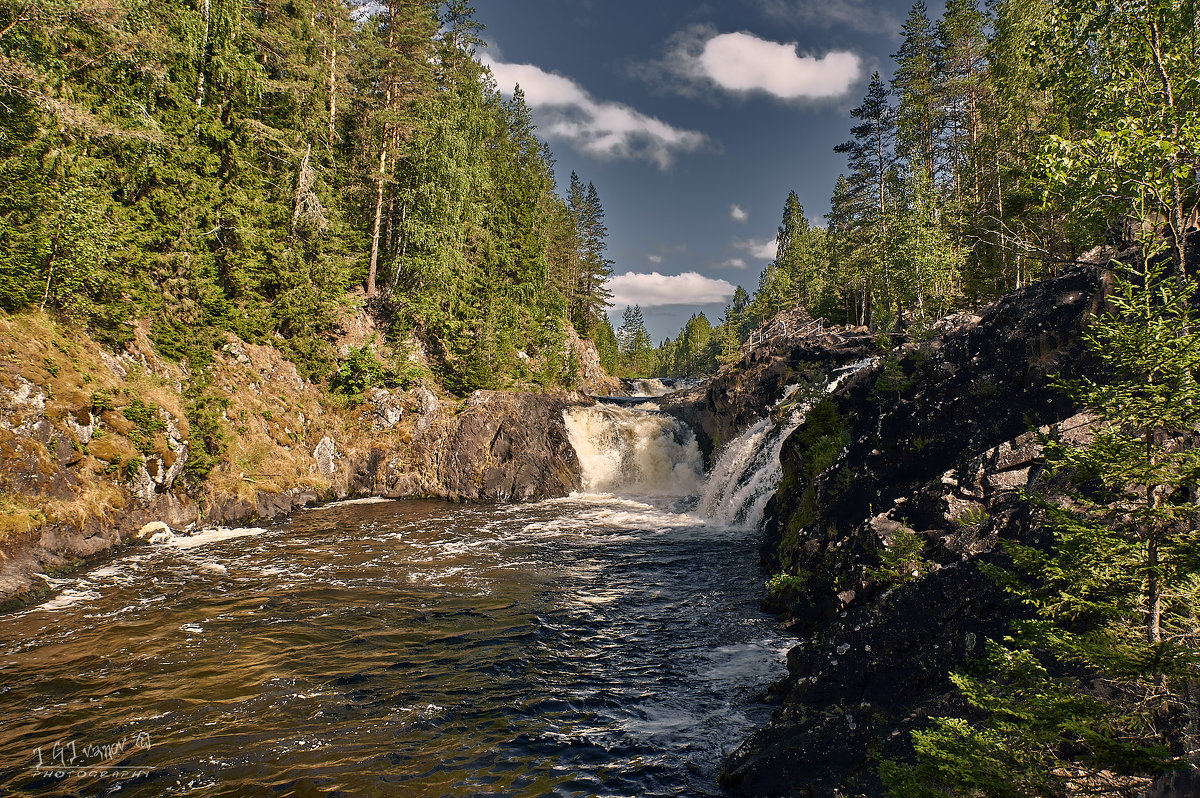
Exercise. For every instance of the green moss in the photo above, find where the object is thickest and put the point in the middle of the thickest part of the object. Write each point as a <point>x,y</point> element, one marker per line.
<point>818,443</point>
<point>129,470</point>
<point>147,423</point>
<point>101,401</point>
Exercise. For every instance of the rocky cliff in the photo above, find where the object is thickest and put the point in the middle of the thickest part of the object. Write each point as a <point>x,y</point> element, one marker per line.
<point>96,445</point>
<point>896,487</point>
<point>740,393</point>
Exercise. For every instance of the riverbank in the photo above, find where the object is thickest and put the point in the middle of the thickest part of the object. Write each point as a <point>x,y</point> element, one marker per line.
<point>98,446</point>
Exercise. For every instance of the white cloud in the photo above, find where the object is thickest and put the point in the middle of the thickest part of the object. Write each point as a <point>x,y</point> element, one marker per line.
<point>864,16</point>
<point>608,130</point>
<point>760,250</point>
<point>654,289</point>
<point>744,62</point>
<point>699,58</point>
<point>736,263</point>
<point>655,258</point>
<point>737,213</point>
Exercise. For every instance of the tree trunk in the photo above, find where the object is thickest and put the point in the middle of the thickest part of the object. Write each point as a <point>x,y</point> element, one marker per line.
<point>1177,226</point>
<point>203,57</point>
<point>378,216</point>
<point>332,80</point>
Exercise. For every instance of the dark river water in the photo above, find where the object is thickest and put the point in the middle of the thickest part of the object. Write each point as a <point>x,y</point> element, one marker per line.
<point>585,646</point>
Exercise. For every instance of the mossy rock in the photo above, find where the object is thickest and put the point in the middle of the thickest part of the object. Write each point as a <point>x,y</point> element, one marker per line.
<point>111,449</point>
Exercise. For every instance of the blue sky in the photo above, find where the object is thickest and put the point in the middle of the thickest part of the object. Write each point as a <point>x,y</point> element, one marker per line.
<point>694,120</point>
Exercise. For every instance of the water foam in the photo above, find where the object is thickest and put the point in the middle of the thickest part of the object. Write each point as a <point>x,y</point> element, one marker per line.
<point>630,451</point>
<point>214,535</point>
<point>746,473</point>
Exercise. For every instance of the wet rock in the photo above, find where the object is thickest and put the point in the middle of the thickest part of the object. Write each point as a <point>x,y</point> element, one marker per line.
<point>741,394</point>
<point>935,442</point>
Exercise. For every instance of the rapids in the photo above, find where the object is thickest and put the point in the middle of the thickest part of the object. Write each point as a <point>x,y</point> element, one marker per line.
<point>607,643</point>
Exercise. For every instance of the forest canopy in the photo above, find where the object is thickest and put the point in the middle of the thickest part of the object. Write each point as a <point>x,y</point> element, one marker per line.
<point>221,165</point>
<point>1008,141</point>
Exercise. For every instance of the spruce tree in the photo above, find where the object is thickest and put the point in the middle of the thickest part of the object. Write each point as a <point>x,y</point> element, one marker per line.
<point>1092,689</point>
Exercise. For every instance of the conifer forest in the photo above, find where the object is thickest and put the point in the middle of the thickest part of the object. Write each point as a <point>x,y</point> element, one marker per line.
<point>982,364</point>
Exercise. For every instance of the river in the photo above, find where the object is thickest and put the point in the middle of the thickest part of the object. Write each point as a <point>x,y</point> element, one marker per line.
<point>608,643</point>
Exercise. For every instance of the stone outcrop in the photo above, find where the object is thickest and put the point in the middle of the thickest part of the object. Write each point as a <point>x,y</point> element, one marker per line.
<point>741,393</point>
<point>593,379</point>
<point>493,446</point>
<point>96,446</point>
<point>931,444</point>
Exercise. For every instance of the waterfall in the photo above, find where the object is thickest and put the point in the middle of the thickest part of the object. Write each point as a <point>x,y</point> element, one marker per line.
<point>651,387</point>
<point>633,451</point>
<point>747,471</point>
<point>744,477</point>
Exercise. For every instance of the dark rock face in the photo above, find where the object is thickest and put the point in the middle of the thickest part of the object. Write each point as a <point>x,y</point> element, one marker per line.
<point>929,444</point>
<point>932,436</point>
<point>506,447</point>
<point>863,682</point>
<point>738,396</point>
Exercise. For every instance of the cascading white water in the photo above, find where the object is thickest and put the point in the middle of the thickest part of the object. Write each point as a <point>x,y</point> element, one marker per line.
<point>744,476</point>
<point>632,451</point>
<point>651,387</point>
<point>638,451</point>
<point>747,471</point>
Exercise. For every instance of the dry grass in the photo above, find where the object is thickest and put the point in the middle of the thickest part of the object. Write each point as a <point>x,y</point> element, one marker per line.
<point>20,518</point>
<point>270,421</point>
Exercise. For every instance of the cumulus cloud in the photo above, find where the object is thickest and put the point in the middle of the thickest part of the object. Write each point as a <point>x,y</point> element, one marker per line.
<point>654,289</point>
<point>864,16</point>
<point>655,258</point>
<point>736,263</point>
<point>761,250</point>
<point>737,213</point>
<point>699,59</point>
<point>566,111</point>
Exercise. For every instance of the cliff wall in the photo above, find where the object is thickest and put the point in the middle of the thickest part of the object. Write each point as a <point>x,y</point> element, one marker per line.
<point>96,445</point>
<point>896,487</point>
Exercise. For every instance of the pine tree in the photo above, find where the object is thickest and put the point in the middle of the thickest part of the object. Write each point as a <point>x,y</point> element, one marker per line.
<point>594,268</point>
<point>915,84</point>
<point>962,53</point>
<point>870,153</point>
<point>403,78</point>
<point>864,205</point>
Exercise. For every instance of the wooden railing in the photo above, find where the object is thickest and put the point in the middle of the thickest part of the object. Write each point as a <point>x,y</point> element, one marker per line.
<point>781,328</point>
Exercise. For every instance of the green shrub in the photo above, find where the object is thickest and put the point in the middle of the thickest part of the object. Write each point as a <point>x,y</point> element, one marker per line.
<point>781,582</point>
<point>901,561</point>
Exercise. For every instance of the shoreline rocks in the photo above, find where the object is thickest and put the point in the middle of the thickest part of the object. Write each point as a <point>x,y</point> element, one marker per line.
<point>95,448</point>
